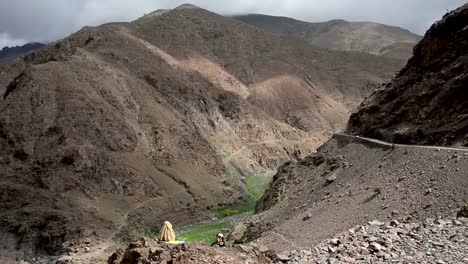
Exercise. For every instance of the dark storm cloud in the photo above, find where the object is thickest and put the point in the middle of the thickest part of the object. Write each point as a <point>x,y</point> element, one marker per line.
<point>47,20</point>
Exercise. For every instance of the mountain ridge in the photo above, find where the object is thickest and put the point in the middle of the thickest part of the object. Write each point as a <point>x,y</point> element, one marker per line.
<point>8,54</point>
<point>338,34</point>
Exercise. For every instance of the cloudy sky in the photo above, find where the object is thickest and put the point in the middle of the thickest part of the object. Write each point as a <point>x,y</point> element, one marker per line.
<point>24,21</point>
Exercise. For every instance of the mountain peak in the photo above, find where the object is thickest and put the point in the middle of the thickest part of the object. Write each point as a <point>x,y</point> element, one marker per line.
<point>187,6</point>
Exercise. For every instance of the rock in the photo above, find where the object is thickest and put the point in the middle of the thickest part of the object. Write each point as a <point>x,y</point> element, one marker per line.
<point>463,212</point>
<point>415,236</point>
<point>237,233</point>
<point>349,259</point>
<point>263,249</point>
<point>306,217</point>
<point>245,248</point>
<point>395,212</point>
<point>376,223</point>
<point>375,247</point>
<point>428,191</point>
<point>116,257</point>
<point>282,257</point>
<point>438,244</point>
<point>87,249</point>
<point>394,223</point>
<point>135,254</point>
<point>335,241</point>
<point>64,260</point>
<point>331,179</point>
<point>155,253</point>
<point>365,251</point>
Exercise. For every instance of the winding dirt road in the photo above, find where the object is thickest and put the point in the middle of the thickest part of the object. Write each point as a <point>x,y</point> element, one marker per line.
<point>359,139</point>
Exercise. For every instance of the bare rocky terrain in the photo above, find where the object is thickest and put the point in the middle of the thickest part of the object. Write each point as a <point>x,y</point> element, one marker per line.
<point>431,241</point>
<point>373,38</point>
<point>350,182</point>
<point>119,127</point>
<point>149,251</point>
<point>359,184</point>
<point>427,103</point>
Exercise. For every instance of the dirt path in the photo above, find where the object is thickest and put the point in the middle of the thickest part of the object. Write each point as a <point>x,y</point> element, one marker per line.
<point>266,142</point>
<point>387,144</point>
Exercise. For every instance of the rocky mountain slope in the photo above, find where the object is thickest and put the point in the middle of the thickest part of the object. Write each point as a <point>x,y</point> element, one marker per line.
<point>432,241</point>
<point>8,54</point>
<point>349,182</point>
<point>373,38</point>
<point>119,127</point>
<point>352,180</point>
<point>427,103</point>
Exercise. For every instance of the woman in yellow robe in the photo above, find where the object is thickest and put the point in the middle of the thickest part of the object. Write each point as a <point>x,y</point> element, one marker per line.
<point>167,233</point>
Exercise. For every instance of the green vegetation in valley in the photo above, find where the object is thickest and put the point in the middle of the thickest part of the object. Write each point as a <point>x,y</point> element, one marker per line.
<point>256,185</point>
<point>203,233</point>
<point>245,207</point>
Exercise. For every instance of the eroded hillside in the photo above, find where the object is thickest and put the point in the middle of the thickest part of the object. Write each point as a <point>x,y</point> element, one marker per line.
<point>427,103</point>
<point>159,118</point>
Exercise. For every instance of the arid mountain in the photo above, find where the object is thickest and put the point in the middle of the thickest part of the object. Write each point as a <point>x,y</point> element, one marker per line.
<point>119,127</point>
<point>7,54</point>
<point>352,181</point>
<point>427,103</point>
<point>373,38</point>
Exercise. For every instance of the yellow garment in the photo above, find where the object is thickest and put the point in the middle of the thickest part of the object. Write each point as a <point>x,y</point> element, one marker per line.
<point>167,233</point>
<point>174,242</point>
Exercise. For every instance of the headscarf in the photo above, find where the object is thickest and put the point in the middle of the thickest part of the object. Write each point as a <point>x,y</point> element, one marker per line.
<point>220,240</point>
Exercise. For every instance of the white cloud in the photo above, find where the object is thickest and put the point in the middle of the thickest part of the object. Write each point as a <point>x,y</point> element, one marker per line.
<point>7,40</point>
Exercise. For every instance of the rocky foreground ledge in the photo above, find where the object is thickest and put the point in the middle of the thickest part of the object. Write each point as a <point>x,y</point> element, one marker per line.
<point>432,241</point>
<point>148,251</point>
